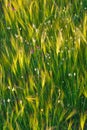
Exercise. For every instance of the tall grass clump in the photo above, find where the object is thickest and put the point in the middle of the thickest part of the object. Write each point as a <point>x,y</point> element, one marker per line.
<point>43,65</point>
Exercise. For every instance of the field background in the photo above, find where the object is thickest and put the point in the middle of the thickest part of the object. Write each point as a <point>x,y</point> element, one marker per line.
<point>43,65</point>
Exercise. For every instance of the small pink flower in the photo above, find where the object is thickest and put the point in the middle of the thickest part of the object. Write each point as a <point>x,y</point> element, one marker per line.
<point>38,47</point>
<point>13,9</point>
<point>8,5</point>
<point>31,51</point>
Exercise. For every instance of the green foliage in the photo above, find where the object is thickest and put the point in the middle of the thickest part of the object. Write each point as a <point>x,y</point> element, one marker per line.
<point>43,65</point>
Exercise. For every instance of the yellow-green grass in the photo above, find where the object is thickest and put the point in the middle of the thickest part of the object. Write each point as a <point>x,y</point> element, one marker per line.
<point>43,65</point>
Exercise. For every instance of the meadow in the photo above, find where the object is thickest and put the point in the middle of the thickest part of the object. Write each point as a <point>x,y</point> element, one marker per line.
<point>43,65</point>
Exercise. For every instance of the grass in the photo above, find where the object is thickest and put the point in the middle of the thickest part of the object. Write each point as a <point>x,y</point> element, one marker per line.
<point>43,65</point>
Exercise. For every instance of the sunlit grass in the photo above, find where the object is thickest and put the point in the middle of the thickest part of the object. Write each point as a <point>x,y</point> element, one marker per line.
<point>43,65</point>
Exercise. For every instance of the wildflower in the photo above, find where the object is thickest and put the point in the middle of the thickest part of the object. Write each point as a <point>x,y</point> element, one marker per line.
<point>31,51</point>
<point>8,100</point>
<point>74,74</point>
<point>13,9</point>
<point>8,5</point>
<point>34,26</point>
<point>41,109</point>
<point>49,57</point>
<point>20,29</point>
<point>59,101</point>
<point>71,38</point>
<point>81,3</point>
<point>35,69</point>
<point>37,30</point>
<point>21,38</point>
<point>70,75</point>
<point>47,63</point>
<point>33,40</point>
<point>85,8</point>
<point>16,36</point>
<point>8,28</point>
<point>9,87</point>
<point>22,76</point>
<point>13,89</point>
<point>20,102</point>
